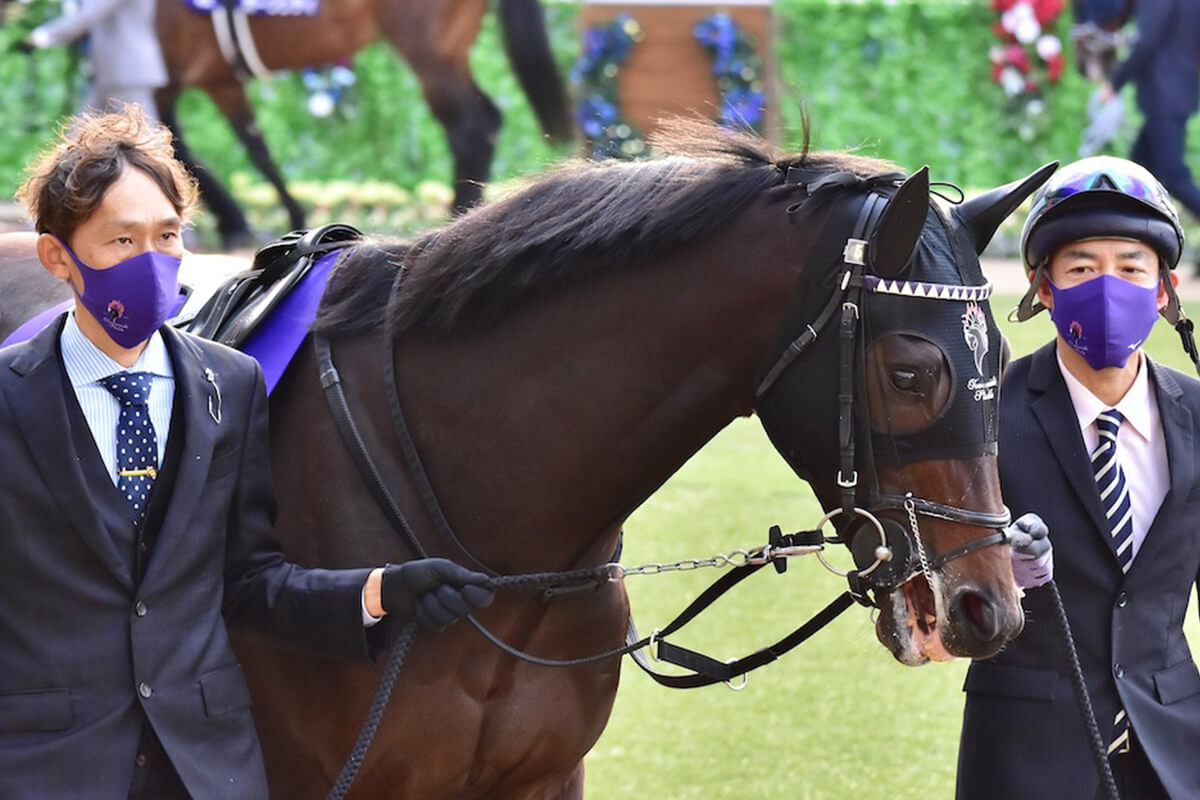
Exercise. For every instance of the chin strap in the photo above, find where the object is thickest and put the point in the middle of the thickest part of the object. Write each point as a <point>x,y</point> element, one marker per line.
<point>1173,313</point>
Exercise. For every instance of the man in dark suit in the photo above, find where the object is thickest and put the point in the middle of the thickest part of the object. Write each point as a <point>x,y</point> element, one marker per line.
<point>136,510</point>
<point>1164,65</point>
<point>1102,443</point>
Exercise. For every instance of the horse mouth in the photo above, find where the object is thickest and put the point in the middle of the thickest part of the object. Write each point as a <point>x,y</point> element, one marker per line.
<point>914,638</point>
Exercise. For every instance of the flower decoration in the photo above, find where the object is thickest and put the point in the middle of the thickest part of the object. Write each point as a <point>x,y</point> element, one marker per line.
<point>328,89</point>
<point>605,48</point>
<point>1029,58</point>
<point>737,68</point>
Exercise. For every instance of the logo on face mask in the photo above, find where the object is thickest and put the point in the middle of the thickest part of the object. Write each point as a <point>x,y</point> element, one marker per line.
<point>1075,330</point>
<point>975,333</point>
<point>116,310</point>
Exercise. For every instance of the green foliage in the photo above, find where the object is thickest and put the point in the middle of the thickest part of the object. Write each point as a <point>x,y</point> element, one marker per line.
<point>905,80</point>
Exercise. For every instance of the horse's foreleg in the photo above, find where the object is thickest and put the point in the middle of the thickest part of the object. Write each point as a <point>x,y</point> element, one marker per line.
<point>231,222</point>
<point>231,99</point>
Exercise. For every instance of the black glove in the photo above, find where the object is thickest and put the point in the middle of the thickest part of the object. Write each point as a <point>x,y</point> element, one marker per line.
<point>435,591</point>
<point>22,46</point>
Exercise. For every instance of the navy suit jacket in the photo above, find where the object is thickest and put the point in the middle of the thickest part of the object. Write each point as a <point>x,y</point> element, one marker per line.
<point>1022,733</point>
<point>88,647</point>
<point>1164,63</point>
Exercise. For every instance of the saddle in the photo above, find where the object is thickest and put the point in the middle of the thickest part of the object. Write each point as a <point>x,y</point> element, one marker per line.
<point>237,309</point>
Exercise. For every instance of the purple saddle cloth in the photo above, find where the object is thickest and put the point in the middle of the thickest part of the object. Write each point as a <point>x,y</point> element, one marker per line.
<point>265,8</point>
<point>273,343</point>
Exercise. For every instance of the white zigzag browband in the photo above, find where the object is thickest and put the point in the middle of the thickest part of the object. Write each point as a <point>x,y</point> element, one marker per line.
<point>930,291</point>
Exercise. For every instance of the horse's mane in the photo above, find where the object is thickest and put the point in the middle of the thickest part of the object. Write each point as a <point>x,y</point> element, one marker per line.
<point>573,222</point>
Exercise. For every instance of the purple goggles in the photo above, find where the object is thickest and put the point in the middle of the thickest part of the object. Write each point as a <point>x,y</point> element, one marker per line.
<point>1104,173</point>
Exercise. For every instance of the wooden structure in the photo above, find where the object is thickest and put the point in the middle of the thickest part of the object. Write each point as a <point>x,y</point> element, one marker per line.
<point>669,72</point>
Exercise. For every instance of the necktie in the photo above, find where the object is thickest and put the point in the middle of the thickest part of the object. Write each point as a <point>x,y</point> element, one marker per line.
<point>137,445</point>
<point>1118,508</point>
<point>1114,492</point>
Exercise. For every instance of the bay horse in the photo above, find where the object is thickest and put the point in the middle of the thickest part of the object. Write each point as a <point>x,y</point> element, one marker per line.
<point>433,36</point>
<point>558,355</point>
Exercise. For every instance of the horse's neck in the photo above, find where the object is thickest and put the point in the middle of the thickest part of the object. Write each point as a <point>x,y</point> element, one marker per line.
<point>549,428</point>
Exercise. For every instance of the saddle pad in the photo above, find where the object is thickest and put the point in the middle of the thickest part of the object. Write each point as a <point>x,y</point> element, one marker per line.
<point>264,8</point>
<point>273,343</point>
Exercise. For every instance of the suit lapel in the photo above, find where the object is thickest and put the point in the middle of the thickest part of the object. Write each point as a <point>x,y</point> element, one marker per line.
<point>40,408</point>
<point>199,436</point>
<point>1056,414</point>
<point>1179,435</point>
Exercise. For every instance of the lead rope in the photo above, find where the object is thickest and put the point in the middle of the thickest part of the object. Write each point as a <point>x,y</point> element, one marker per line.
<point>1095,741</point>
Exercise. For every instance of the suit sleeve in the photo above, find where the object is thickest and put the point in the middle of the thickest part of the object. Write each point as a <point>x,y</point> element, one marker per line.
<point>1154,25</point>
<point>71,27</point>
<point>316,610</point>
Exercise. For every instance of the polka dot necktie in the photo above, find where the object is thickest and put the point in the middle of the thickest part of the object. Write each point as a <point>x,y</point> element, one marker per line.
<point>137,445</point>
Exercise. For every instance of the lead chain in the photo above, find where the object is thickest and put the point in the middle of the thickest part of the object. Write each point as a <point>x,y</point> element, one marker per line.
<point>911,508</point>
<point>736,558</point>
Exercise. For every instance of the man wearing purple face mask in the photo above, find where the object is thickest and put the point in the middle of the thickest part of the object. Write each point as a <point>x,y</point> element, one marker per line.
<point>1102,442</point>
<point>136,510</point>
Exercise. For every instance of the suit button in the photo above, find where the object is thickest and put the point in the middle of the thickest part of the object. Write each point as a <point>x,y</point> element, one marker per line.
<point>140,760</point>
<point>1118,671</point>
<point>144,690</point>
<point>1122,600</point>
<point>139,608</point>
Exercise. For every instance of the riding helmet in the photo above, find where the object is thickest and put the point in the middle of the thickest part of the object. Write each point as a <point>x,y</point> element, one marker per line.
<point>1101,197</point>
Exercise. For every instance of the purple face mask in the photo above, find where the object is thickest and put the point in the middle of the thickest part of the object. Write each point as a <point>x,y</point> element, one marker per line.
<point>1105,319</point>
<point>132,298</point>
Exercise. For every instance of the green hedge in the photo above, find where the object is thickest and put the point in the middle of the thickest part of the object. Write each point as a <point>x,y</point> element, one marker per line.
<point>907,80</point>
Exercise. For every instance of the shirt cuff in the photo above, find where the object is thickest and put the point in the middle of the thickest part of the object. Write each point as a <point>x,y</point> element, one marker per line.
<point>368,618</point>
<point>40,37</point>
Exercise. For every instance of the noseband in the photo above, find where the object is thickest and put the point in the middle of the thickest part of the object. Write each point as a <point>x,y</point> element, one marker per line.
<point>890,568</point>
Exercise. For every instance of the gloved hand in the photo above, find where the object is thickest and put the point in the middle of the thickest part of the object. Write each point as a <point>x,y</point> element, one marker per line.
<point>435,591</point>
<point>1032,553</point>
<point>23,46</point>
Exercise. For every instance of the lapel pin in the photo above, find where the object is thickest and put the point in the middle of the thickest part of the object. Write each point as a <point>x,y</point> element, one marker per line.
<point>213,411</point>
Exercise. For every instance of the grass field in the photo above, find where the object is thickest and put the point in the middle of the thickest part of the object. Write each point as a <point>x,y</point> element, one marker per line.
<point>837,717</point>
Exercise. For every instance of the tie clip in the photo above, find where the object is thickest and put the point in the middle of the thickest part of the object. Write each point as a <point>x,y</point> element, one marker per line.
<point>148,472</point>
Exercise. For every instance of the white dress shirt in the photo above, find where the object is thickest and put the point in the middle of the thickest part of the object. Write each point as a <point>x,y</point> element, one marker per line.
<point>86,364</point>
<point>1141,449</point>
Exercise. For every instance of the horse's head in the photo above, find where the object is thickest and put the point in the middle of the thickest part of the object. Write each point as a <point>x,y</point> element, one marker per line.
<point>907,469</point>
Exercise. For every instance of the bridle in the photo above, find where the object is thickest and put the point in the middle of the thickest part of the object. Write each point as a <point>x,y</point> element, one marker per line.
<point>892,560</point>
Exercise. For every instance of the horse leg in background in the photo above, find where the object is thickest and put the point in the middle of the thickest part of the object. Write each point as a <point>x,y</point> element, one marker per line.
<point>469,117</point>
<point>231,222</point>
<point>231,99</point>
<point>528,48</point>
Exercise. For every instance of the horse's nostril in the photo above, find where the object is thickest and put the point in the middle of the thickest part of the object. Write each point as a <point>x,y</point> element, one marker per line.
<point>980,613</point>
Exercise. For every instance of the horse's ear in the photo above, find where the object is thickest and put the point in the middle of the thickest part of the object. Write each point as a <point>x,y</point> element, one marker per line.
<point>982,215</point>
<point>899,228</point>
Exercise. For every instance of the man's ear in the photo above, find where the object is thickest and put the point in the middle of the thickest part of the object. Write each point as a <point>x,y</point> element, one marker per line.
<point>54,256</point>
<point>1043,291</point>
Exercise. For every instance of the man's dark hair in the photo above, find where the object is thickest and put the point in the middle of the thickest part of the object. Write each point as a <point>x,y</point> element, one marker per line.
<point>67,183</point>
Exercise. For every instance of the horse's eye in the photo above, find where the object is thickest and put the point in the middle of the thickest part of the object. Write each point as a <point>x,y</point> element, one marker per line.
<point>904,379</point>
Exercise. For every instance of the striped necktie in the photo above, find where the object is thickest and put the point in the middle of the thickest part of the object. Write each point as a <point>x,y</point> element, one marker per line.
<point>137,444</point>
<point>1114,492</point>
